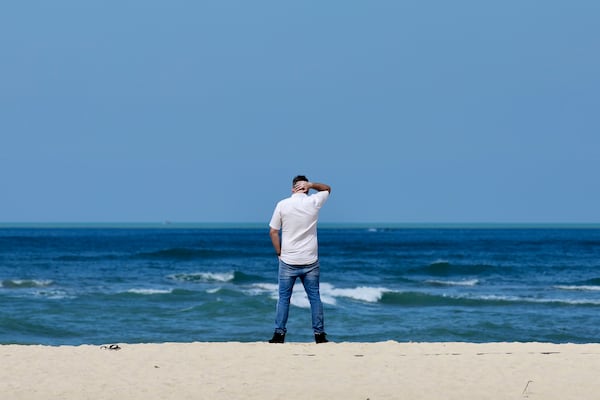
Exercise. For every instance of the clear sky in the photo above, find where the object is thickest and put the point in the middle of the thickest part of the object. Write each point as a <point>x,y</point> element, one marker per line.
<point>203,111</point>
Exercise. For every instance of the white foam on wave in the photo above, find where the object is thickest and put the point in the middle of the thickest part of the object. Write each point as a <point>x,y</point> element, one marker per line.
<point>574,302</point>
<point>299,298</point>
<point>582,302</point>
<point>541,300</point>
<point>261,288</point>
<point>363,293</point>
<point>329,293</point>
<point>54,294</point>
<point>28,283</point>
<point>204,277</point>
<point>150,291</point>
<point>578,287</point>
<point>465,282</point>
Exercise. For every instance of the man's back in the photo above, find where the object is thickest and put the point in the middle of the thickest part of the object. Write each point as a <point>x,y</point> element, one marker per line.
<point>297,217</point>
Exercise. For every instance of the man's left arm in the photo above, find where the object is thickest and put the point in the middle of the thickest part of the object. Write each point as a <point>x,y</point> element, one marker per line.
<point>274,233</point>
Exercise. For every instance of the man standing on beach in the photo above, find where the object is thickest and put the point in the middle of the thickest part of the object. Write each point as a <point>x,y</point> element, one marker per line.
<point>297,249</point>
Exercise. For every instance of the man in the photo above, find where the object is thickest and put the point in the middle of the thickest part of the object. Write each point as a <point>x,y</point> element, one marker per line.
<point>297,249</point>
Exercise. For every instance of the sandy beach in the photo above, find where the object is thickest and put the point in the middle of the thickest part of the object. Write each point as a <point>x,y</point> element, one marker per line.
<point>384,370</point>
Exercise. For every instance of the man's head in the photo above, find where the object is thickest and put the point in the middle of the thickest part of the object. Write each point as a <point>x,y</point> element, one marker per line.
<point>299,178</point>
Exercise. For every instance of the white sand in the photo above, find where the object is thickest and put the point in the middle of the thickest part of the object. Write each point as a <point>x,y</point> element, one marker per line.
<point>374,371</point>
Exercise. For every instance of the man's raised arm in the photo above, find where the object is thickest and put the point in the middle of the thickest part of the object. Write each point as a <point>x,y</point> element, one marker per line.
<point>304,186</point>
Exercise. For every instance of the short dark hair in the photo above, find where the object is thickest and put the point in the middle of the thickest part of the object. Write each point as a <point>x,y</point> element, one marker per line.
<point>299,178</point>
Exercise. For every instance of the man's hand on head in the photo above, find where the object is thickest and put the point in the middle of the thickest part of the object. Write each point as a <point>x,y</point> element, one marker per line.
<point>302,187</point>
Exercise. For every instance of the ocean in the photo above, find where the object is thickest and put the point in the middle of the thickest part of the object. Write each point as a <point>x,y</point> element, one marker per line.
<point>98,284</point>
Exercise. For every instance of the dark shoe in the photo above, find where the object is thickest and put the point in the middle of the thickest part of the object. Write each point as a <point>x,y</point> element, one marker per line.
<point>321,338</point>
<point>277,338</point>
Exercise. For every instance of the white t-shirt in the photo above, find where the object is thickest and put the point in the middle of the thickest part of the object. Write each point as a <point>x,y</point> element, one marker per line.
<point>296,217</point>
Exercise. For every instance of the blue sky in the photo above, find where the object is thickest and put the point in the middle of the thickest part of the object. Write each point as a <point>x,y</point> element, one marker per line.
<point>203,111</point>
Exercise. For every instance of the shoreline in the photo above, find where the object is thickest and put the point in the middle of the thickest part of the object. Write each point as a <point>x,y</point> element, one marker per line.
<point>296,370</point>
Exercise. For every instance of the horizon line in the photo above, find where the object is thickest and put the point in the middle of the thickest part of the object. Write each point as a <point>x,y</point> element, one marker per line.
<point>372,225</point>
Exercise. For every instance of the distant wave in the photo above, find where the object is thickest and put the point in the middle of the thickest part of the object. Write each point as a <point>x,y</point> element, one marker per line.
<point>594,282</point>
<point>373,229</point>
<point>421,299</point>
<point>178,253</point>
<point>25,283</point>
<point>79,257</point>
<point>207,277</point>
<point>578,287</point>
<point>446,268</point>
<point>150,291</point>
<point>586,285</point>
<point>465,282</point>
<point>203,277</point>
<point>54,294</point>
<point>241,277</point>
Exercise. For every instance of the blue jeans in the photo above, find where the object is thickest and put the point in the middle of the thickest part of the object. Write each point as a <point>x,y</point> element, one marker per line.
<point>309,276</point>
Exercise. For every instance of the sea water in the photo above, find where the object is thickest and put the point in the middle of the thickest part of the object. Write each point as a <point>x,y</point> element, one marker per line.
<point>183,283</point>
